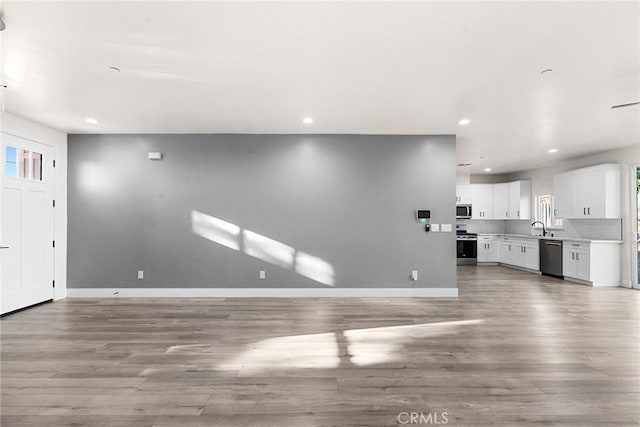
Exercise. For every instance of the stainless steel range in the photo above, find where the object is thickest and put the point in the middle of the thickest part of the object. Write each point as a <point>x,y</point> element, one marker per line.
<point>466,246</point>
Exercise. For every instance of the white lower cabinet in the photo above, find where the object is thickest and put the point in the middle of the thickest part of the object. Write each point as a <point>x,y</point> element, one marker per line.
<point>488,249</point>
<point>524,253</point>
<point>505,253</point>
<point>575,260</point>
<point>594,263</point>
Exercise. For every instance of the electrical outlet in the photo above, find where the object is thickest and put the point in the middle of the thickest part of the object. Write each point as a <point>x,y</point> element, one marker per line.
<point>263,274</point>
<point>140,274</point>
<point>414,275</point>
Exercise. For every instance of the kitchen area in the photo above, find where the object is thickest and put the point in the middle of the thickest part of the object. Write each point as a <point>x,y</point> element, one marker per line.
<point>574,233</point>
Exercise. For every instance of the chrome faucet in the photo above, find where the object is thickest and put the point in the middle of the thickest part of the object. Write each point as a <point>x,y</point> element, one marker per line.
<point>544,230</point>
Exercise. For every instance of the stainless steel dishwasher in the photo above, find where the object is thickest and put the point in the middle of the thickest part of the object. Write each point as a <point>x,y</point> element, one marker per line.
<point>551,257</point>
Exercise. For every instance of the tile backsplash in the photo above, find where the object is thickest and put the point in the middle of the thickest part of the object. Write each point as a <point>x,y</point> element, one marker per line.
<point>603,229</point>
<point>484,226</point>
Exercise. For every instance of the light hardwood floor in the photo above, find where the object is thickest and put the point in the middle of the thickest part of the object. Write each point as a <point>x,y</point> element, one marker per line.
<point>514,348</point>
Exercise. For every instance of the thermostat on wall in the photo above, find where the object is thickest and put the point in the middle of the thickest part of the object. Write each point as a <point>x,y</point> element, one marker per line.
<point>423,215</point>
<point>155,155</point>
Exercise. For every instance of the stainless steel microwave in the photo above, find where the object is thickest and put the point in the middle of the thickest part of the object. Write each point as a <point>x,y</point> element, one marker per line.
<point>463,211</point>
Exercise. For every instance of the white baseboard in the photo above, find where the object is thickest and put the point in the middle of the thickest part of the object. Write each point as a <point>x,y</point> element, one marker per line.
<point>262,292</point>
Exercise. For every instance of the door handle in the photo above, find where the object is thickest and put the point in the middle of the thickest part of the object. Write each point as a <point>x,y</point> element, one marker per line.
<point>4,247</point>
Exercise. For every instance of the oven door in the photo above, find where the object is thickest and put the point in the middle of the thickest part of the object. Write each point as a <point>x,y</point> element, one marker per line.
<point>467,249</point>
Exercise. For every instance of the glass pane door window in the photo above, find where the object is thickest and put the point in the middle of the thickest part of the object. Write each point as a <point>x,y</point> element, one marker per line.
<point>23,164</point>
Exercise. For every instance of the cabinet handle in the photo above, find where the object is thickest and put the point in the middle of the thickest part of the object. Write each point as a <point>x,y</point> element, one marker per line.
<point>577,256</point>
<point>589,211</point>
<point>573,255</point>
<point>524,249</point>
<point>509,248</point>
<point>506,214</point>
<point>555,212</point>
<point>584,211</point>
<point>518,214</point>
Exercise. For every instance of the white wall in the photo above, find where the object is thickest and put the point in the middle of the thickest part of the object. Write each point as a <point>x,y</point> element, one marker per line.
<point>542,183</point>
<point>27,129</point>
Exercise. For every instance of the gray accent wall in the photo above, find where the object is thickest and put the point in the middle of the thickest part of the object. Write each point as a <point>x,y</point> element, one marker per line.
<point>337,206</point>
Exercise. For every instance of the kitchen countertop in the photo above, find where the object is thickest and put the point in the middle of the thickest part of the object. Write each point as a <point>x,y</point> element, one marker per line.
<point>571,239</point>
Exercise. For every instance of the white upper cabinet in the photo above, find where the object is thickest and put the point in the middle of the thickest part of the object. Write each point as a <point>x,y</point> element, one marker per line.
<point>520,200</point>
<point>592,192</point>
<point>501,201</point>
<point>463,194</point>
<point>482,201</point>
<point>511,200</point>
<point>562,195</point>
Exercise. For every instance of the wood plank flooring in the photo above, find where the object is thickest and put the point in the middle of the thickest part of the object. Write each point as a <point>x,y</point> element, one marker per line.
<point>513,349</point>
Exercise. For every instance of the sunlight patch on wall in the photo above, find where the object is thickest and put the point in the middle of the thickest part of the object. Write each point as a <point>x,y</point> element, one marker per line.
<point>269,250</point>
<point>211,228</point>
<point>315,268</point>
<point>262,247</point>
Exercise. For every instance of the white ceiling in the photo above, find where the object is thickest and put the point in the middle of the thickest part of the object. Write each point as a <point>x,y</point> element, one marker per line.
<point>380,68</point>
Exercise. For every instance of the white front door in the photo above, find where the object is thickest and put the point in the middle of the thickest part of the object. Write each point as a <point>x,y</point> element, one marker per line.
<point>26,223</point>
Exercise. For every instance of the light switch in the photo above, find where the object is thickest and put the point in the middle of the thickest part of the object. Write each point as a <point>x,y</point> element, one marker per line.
<point>446,228</point>
<point>435,227</point>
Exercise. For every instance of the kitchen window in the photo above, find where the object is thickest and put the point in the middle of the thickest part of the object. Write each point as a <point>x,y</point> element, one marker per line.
<point>545,212</point>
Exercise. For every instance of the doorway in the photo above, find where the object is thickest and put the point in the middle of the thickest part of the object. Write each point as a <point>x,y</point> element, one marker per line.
<point>26,223</point>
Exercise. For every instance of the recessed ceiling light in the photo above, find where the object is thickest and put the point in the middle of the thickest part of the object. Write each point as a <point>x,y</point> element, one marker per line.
<point>307,120</point>
<point>553,150</point>
<point>487,169</point>
<point>464,122</point>
<point>91,120</point>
